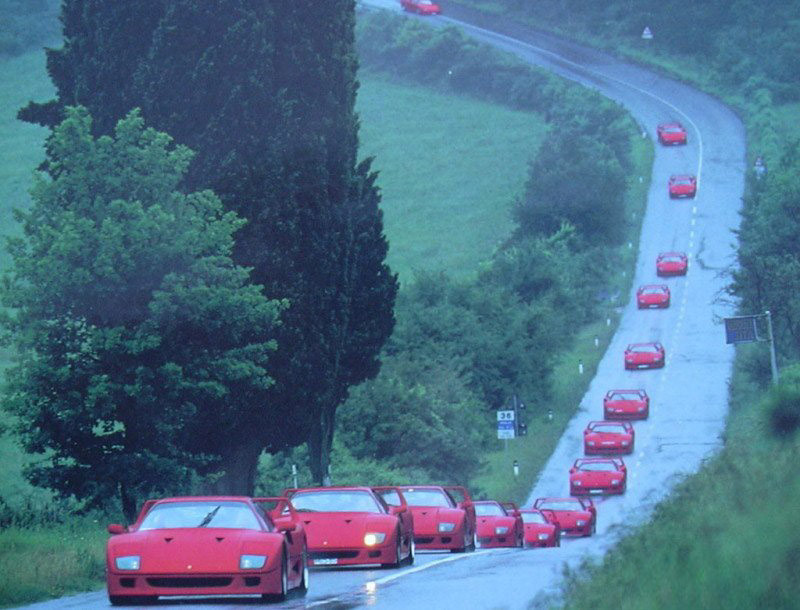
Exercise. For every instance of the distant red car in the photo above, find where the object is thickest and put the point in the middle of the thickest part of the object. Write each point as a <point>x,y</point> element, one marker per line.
<point>644,356</point>
<point>671,133</point>
<point>626,404</point>
<point>206,545</point>
<point>672,263</point>
<point>497,526</point>
<point>574,516</point>
<point>423,7</point>
<point>444,517</point>
<point>354,526</point>
<point>608,438</point>
<point>653,296</point>
<point>539,530</point>
<point>598,475</point>
<point>682,185</point>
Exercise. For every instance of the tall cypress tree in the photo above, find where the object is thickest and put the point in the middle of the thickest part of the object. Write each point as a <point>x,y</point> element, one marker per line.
<point>264,92</point>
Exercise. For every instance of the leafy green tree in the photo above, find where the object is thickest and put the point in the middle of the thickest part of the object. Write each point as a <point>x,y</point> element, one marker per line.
<point>139,343</point>
<point>264,92</point>
<point>575,178</point>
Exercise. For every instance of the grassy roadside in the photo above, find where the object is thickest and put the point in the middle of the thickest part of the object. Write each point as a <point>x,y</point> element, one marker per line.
<point>532,452</point>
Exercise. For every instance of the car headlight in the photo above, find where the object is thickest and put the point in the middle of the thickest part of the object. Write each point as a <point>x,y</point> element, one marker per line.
<point>580,523</point>
<point>615,481</point>
<point>128,562</point>
<point>501,529</point>
<point>641,408</point>
<point>447,527</point>
<point>543,536</point>
<point>590,443</point>
<point>373,538</point>
<point>626,443</point>
<point>576,483</point>
<point>252,562</point>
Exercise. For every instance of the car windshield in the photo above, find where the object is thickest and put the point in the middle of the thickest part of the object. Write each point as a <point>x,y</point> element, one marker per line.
<point>626,396</point>
<point>597,467</point>
<point>608,429</point>
<point>683,180</point>
<point>490,509</point>
<point>561,505</point>
<point>672,129</point>
<point>642,349</point>
<point>652,290</point>
<point>174,515</point>
<point>672,259</point>
<point>533,518</point>
<point>336,501</point>
<point>428,497</point>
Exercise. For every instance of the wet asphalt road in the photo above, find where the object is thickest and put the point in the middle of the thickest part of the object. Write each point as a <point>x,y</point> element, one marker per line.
<point>688,396</point>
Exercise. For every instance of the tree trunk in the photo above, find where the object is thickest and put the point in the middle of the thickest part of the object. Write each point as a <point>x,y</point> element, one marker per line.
<point>320,442</point>
<point>239,467</point>
<point>128,504</point>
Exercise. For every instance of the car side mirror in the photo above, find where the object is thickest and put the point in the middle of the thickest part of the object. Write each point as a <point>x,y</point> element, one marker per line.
<point>115,529</point>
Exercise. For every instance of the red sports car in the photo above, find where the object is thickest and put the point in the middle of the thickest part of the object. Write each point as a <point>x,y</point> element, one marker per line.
<point>208,545</point>
<point>672,263</point>
<point>423,7</point>
<point>682,185</point>
<point>354,526</point>
<point>608,438</point>
<point>574,516</point>
<point>644,356</point>
<point>626,404</point>
<point>598,475</point>
<point>671,133</point>
<point>497,526</point>
<point>653,296</point>
<point>539,530</point>
<point>444,517</point>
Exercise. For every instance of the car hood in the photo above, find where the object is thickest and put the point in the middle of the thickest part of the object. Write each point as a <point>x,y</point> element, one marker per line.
<point>485,525</point>
<point>427,518</point>
<point>532,530</point>
<point>337,530</point>
<point>605,437</point>
<point>208,551</point>
<point>567,518</point>
<point>599,477</point>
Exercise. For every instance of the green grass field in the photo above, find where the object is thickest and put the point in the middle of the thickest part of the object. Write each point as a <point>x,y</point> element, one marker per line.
<point>450,169</point>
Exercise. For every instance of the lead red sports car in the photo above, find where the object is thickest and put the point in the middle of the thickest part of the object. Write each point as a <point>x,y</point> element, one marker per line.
<point>354,526</point>
<point>539,530</point>
<point>682,185</point>
<point>644,356</point>
<point>672,263</point>
<point>598,475</point>
<point>575,516</point>
<point>207,545</point>
<point>422,7</point>
<point>671,133</point>
<point>626,404</point>
<point>444,517</point>
<point>608,438</point>
<point>653,296</point>
<point>496,526</point>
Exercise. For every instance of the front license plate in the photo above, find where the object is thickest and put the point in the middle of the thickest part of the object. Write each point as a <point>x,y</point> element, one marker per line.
<point>326,562</point>
<point>595,491</point>
<point>643,366</point>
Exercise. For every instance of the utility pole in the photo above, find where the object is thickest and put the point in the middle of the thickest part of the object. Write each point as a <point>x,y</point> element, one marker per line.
<point>773,361</point>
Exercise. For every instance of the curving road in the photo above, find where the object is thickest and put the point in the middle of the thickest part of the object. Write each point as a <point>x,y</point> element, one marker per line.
<point>689,396</point>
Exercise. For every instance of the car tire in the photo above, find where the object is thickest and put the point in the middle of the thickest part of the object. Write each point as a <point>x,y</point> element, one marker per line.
<point>132,600</point>
<point>412,554</point>
<point>303,586</point>
<point>398,553</point>
<point>279,597</point>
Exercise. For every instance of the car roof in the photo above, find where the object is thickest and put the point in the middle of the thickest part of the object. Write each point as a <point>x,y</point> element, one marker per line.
<point>205,499</point>
<point>333,488</point>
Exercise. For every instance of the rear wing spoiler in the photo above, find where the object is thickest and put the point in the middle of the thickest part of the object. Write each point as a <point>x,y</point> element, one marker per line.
<point>388,490</point>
